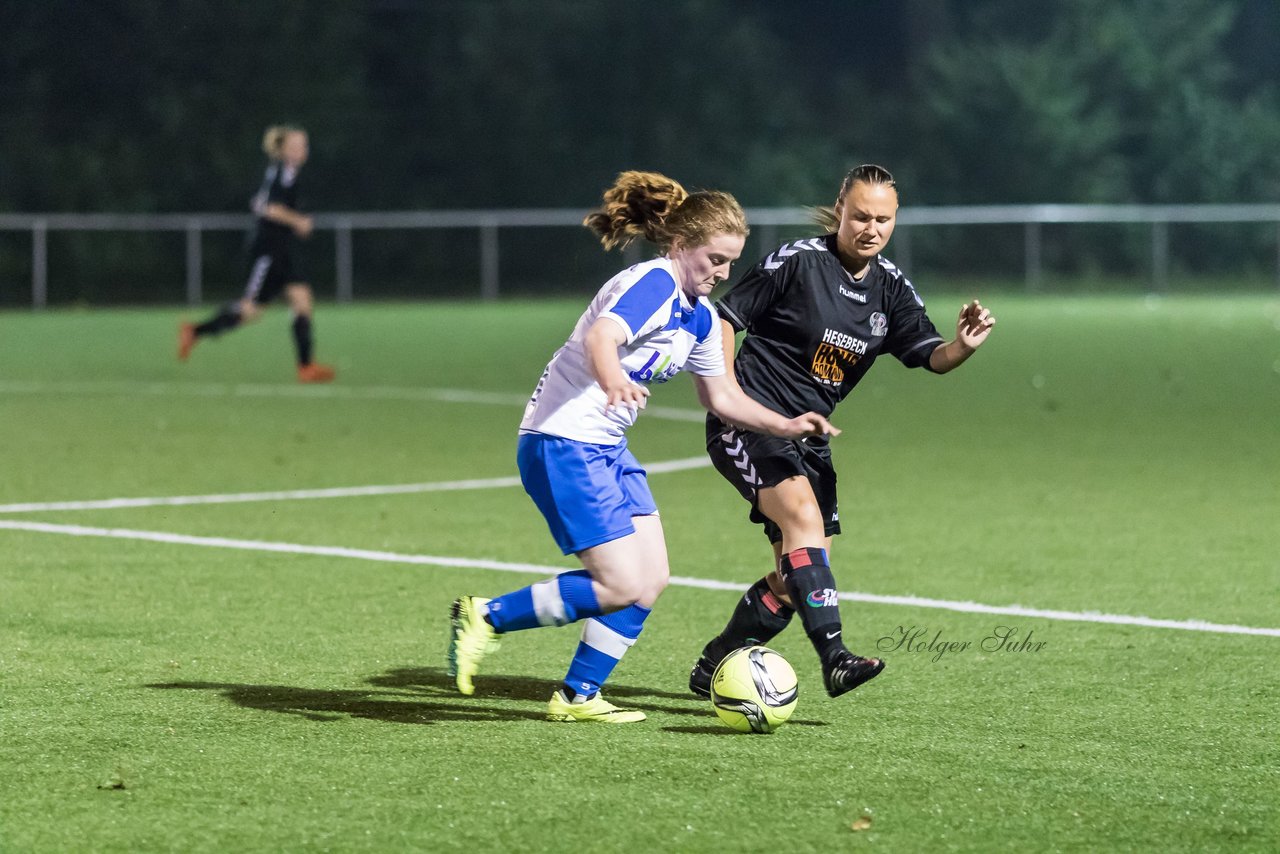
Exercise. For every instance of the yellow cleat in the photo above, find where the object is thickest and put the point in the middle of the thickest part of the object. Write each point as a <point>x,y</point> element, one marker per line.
<point>471,640</point>
<point>596,710</point>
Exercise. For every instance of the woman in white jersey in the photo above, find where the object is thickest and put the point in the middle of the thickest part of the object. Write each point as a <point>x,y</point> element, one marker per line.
<point>645,325</point>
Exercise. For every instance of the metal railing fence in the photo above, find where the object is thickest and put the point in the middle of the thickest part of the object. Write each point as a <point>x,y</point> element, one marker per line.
<point>488,223</point>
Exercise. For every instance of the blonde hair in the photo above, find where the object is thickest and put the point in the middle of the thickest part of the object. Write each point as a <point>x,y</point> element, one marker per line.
<point>868,173</point>
<point>657,208</point>
<point>273,139</point>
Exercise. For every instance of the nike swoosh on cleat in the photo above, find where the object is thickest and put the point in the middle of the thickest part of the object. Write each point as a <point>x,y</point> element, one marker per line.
<point>831,635</point>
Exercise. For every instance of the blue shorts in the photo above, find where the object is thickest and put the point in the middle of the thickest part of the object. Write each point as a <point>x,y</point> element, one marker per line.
<point>587,493</point>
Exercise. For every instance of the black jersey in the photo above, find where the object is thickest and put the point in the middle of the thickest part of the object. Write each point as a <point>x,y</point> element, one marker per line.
<point>279,187</point>
<point>813,331</point>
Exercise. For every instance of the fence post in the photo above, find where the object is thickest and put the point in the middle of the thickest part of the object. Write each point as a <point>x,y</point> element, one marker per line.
<point>489,261</point>
<point>1160,256</point>
<point>1031,240</point>
<point>344,289</point>
<point>39,263</point>
<point>195,263</point>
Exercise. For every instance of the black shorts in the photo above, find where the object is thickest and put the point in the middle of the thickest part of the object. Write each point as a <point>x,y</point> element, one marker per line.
<point>753,461</point>
<point>269,272</point>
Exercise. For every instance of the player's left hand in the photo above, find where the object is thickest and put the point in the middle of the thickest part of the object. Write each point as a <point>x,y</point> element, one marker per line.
<point>974,324</point>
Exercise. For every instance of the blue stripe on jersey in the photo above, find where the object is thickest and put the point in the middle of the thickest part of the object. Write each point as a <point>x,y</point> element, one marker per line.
<point>703,318</point>
<point>697,322</point>
<point>643,298</point>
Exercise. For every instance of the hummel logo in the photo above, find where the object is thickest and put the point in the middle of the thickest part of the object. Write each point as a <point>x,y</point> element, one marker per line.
<point>834,634</point>
<point>853,295</point>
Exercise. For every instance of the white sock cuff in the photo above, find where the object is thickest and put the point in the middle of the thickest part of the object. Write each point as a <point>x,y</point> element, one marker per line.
<point>598,636</point>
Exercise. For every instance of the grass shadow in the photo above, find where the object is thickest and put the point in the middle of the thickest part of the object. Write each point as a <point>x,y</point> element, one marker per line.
<point>502,687</point>
<point>717,729</point>
<point>331,705</point>
<point>425,695</point>
<point>701,730</point>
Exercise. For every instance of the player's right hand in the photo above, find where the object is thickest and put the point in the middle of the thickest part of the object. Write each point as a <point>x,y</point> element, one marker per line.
<point>810,424</point>
<point>627,394</point>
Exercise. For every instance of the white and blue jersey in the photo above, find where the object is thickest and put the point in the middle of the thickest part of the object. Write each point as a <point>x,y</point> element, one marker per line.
<point>666,333</point>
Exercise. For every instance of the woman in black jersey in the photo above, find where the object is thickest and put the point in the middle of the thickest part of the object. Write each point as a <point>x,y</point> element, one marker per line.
<point>816,313</point>
<point>273,265</point>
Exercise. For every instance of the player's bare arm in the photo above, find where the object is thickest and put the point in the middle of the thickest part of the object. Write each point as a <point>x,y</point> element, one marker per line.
<point>301,224</point>
<point>724,398</point>
<point>972,328</point>
<point>602,342</point>
<point>809,424</point>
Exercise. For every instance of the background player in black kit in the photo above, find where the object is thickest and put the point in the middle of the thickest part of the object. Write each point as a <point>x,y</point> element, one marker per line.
<point>273,265</point>
<point>817,312</point>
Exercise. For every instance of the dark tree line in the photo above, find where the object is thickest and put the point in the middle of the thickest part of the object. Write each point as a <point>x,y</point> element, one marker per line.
<point>136,105</point>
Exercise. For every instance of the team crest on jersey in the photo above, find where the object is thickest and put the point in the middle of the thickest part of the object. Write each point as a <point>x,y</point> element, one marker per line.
<point>879,323</point>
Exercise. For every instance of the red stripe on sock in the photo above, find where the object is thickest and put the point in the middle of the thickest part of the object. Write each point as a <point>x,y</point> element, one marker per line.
<point>773,603</point>
<point>799,558</point>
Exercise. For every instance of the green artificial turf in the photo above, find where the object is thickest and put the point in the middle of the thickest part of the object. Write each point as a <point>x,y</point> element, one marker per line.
<point>1100,454</point>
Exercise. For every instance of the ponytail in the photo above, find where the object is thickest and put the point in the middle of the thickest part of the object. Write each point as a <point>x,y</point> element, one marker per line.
<point>657,208</point>
<point>635,206</point>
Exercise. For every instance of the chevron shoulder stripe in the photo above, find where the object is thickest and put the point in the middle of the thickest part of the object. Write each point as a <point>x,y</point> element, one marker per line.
<point>782,253</point>
<point>893,270</point>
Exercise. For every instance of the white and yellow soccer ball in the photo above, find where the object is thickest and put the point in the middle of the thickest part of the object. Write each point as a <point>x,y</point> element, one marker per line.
<point>754,690</point>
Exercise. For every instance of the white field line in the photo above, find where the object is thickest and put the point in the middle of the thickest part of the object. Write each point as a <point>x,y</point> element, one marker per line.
<point>127,387</point>
<point>431,560</point>
<point>307,392</point>
<point>303,494</point>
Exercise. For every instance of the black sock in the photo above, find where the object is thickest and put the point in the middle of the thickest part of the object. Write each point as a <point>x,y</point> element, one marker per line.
<point>812,588</point>
<point>757,619</point>
<point>302,338</point>
<point>227,318</point>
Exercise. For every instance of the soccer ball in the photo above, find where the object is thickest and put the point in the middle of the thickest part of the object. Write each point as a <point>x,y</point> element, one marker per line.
<point>754,690</point>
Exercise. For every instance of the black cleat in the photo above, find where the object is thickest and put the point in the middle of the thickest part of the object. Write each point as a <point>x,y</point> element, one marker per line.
<point>700,677</point>
<point>846,672</point>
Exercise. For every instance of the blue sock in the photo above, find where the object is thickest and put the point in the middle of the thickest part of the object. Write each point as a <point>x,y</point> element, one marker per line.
<point>604,641</point>
<point>558,601</point>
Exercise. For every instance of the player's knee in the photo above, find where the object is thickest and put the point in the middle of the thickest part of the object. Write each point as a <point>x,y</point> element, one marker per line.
<point>249,311</point>
<point>628,591</point>
<point>654,585</point>
<point>632,589</point>
<point>801,509</point>
<point>300,298</point>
